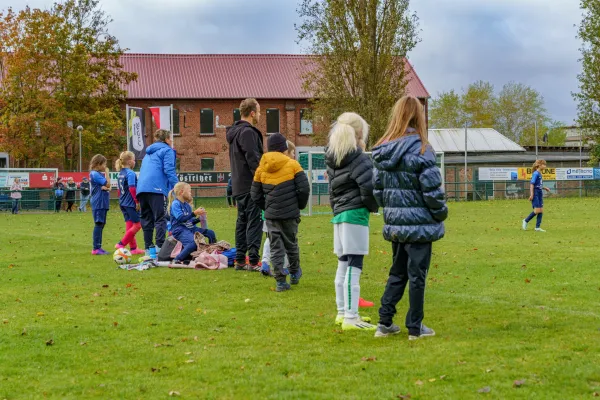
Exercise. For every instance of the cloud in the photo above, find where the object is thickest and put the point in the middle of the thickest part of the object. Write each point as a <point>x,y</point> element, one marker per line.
<point>528,41</point>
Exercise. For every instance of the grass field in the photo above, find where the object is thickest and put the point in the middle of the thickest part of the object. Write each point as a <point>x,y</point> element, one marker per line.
<point>507,305</point>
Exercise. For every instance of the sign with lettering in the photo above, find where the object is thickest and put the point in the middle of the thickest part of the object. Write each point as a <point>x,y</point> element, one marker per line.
<point>203,178</point>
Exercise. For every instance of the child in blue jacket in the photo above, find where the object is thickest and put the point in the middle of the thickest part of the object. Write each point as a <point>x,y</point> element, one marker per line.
<point>184,220</point>
<point>100,201</point>
<point>408,185</point>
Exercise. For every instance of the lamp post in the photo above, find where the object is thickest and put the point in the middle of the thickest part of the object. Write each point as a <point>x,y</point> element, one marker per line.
<point>80,129</point>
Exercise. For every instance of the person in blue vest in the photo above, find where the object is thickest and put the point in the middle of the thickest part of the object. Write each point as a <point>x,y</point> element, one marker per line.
<point>157,178</point>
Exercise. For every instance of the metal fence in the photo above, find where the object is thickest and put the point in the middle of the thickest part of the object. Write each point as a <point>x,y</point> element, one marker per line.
<point>43,200</point>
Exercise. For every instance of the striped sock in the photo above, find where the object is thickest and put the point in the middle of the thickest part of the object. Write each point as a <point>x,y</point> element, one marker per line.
<point>352,292</point>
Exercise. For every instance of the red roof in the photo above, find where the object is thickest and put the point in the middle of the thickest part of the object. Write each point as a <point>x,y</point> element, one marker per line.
<point>226,76</point>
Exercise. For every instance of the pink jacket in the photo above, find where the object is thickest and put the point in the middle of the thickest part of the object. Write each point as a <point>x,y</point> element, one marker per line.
<point>15,191</point>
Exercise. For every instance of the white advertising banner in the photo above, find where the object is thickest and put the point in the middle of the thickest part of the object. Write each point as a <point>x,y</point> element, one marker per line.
<point>498,174</point>
<point>7,178</point>
<point>568,174</point>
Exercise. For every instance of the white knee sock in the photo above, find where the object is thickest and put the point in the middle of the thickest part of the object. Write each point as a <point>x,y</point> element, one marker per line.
<point>352,292</point>
<point>340,276</point>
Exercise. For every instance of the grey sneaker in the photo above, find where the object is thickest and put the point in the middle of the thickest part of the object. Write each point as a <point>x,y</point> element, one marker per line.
<point>295,278</point>
<point>282,287</point>
<point>425,331</point>
<point>383,331</point>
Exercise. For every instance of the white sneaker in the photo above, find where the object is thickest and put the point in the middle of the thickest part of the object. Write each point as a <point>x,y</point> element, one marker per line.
<point>339,320</point>
<point>539,230</point>
<point>524,225</point>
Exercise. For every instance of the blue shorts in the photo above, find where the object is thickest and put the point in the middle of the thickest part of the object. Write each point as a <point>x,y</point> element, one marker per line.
<point>130,214</point>
<point>100,215</point>
<point>538,200</point>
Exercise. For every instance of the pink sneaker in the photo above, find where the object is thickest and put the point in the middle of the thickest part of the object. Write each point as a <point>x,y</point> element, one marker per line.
<point>137,251</point>
<point>99,252</point>
<point>119,246</point>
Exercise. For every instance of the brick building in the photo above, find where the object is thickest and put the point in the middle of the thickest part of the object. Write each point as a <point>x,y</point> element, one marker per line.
<point>206,91</point>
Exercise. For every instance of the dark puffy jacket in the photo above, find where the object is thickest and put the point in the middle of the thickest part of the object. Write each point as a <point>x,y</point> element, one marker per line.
<point>245,151</point>
<point>351,184</point>
<point>408,185</point>
<point>280,186</point>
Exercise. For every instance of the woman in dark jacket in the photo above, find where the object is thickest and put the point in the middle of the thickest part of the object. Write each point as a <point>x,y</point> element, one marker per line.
<point>70,195</point>
<point>408,185</point>
<point>351,196</point>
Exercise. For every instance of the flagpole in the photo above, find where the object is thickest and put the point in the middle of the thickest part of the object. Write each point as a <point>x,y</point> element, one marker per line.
<point>127,126</point>
<point>172,143</point>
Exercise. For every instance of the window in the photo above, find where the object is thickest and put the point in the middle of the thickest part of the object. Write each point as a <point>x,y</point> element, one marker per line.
<point>236,115</point>
<point>272,120</point>
<point>207,164</point>
<point>176,122</point>
<point>207,122</point>
<point>306,124</point>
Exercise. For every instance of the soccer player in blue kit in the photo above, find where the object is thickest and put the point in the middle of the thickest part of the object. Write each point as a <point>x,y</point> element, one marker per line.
<point>536,195</point>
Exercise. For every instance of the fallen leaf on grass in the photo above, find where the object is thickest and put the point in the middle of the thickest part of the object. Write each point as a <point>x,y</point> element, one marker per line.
<point>596,394</point>
<point>104,286</point>
<point>187,353</point>
<point>461,362</point>
<point>485,389</point>
<point>174,393</point>
<point>443,377</point>
<point>404,396</point>
<point>5,321</point>
<point>83,343</point>
<point>180,297</point>
<point>24,333</point>
<point>419,382</point>
<point>489,370</point>
<point>129,285</point>
<point>18,300</point>
<point>369,358</point>
<point>527,280</point>
<point>115,323</point>
<point>96,294</point>
<point>49,342</point>
<point>40,314</point>
<point>518,383</point>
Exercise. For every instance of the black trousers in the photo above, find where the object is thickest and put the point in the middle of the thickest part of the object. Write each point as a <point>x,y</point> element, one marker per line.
<point>153,216</point>
<point>283,235</point>
<point>248,230</point>
<point>57,204</point>
<point>410,265</point>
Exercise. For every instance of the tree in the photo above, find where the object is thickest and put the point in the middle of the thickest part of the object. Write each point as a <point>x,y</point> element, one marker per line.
<point>588,97</point>
<point>513,112</point>
<point>519,106</point>
<point>359,65</point>
<point>61,69</point>
<point>446,111</point>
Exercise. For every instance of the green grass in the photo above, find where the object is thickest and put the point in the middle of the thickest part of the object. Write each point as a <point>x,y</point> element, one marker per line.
<point>506,305</point>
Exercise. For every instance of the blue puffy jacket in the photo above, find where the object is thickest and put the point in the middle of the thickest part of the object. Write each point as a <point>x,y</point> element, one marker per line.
<point>408,185</point>
<point>157,174</point>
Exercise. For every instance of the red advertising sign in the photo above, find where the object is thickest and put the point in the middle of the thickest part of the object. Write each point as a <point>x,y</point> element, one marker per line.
<point>43,180</point>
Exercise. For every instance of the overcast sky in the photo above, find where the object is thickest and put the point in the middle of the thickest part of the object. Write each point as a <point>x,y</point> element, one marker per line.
<point>527,41</point>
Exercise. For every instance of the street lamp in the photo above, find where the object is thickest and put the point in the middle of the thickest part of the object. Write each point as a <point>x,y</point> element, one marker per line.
<point>80,129</point>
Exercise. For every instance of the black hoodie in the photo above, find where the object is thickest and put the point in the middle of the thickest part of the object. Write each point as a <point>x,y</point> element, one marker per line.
<point>351,183</point>
<point>245,150</point>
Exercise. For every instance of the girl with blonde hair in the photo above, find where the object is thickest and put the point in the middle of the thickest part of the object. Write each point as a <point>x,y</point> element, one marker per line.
<point>408,185</point>
<point>350,173</point>
<point>536,195</point>
<point>128,201</point>
<point>184,220</point>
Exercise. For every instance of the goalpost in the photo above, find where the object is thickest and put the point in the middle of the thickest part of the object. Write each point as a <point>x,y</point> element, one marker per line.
<point>313,163</point>
<point>37,193</point>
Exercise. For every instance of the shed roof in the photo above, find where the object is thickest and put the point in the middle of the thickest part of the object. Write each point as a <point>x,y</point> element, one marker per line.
<point>479,140</point>
<point>227,76</point>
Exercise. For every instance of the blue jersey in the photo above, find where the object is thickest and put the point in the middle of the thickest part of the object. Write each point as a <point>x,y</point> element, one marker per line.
<point>99,197</point>
<point>127,179</point>
<point>182,216</point>
<point>536,180</point>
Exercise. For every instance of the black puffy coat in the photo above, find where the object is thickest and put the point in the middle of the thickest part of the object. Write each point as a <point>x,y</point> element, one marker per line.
<point>351,183</point>
<point>408,185</point>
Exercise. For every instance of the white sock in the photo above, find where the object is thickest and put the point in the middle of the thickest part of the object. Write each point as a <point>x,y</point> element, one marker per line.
<point>351,292</point>
<point>340,276</point>
<point>267,252</point>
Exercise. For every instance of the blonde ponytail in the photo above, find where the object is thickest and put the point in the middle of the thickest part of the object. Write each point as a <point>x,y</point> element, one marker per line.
<point>178,188</point>
<point>346,134</point>
<point>124,157</point>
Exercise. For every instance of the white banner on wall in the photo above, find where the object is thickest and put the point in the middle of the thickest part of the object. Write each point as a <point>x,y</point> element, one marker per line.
<point>7,178</point>
<point>498,174</point>
<point>567,174</point>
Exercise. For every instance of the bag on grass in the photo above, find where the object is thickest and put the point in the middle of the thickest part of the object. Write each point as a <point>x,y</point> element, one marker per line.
<point>167,249</point>
<point>230,254</point>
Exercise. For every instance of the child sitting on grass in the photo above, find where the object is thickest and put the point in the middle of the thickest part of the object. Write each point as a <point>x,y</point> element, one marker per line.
<point>184,220</point>
<point>280,188</point>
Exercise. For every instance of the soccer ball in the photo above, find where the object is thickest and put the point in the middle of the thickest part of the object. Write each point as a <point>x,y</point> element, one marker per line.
<point>122,256</point>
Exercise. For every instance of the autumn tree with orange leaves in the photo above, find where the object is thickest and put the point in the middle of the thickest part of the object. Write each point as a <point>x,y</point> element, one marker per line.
<point>59,68</point>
